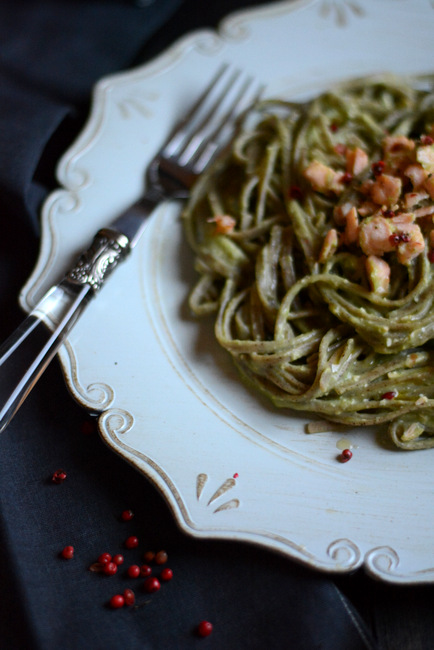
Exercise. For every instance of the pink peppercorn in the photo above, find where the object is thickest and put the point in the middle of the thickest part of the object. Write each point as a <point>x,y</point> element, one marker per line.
<point>67,553</point>
<point>110,569</point>
<point>151,585</point>
<point>204,628</point>
<point>127,515</point>
<point>149,556</point>
<point>378,167</point>
<point>346,455</point>
<point>59,476</point>
<point>166,574</point>
<point>117,601</point>
<point>145,570</point>
<point>160,557</point>
<point>129,597</point>
<point>295,193</point>
<point>105,558</point>
<point>133,571</point>
<point>346,178</point>
<point>132,542</point>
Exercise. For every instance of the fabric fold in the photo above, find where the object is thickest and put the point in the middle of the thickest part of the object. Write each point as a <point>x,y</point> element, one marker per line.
<point>35,118</point>
<point>52,53</point>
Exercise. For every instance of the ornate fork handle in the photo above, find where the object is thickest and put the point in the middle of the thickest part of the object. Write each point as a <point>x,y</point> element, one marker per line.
<point>108,249</point>
<point>190,149</point>
<point>29,350</point>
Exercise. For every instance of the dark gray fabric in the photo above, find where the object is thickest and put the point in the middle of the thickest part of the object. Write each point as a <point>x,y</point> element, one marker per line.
<point>254,598</point>
<point>51,54</point>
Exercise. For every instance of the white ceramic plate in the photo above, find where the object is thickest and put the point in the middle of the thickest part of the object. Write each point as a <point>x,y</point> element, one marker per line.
<point>230,465</point>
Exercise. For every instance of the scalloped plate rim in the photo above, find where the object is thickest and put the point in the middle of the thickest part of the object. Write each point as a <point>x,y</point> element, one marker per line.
<point>371,559</point>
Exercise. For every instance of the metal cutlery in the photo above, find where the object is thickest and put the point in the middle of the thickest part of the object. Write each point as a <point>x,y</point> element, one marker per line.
<point>192,146</point>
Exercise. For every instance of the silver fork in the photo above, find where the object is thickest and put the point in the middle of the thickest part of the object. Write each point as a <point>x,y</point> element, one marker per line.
<point>190,149</point>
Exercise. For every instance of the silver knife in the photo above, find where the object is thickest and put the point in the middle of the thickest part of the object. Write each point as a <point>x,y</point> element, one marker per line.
<point>194,143</point>
<point>51,320</point>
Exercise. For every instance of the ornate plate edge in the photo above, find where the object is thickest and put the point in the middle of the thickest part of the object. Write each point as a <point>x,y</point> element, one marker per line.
<point>343,556</point>
<point>382,562</point>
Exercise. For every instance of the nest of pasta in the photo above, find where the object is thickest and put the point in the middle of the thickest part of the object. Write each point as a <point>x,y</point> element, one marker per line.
<point>314,244</point>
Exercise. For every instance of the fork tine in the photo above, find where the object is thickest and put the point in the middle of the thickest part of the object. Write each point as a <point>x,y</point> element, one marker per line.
<point>247,95</point>
<point>189,121</point>
<point>198,137</point>
<point>197,134</point>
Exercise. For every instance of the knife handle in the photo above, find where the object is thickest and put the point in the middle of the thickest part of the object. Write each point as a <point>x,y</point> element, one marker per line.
<point>30,348</point>
<point>28,351</point>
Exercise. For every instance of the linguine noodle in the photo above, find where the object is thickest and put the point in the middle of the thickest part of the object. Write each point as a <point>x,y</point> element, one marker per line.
<point>318,311</point>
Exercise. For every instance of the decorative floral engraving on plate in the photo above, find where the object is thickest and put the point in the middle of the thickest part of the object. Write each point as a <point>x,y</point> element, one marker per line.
<point>327,517</point>
<point>200,484</point>
<point>135,104</point>
<point>383,563</point>
<point>208,43</point>
<point>227,485</point>
<point>345,553</point>
<point>340,11</point>
<point>64,203</point>
<point>117,421</point>
<point>96,395</point>
<point>76,178</point>
<point>236,30</point>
